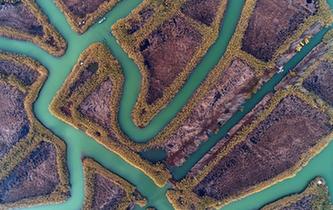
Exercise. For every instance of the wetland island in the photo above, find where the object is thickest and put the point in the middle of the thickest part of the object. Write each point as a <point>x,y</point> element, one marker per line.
<point>166,104</point>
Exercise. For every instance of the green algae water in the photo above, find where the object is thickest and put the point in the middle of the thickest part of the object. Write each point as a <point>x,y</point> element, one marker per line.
<point>80,145</point>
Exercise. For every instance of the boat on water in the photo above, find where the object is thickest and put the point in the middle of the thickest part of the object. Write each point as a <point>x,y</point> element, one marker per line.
<point>280,69</point>
<point>304,42</point>
<point>102,20</point>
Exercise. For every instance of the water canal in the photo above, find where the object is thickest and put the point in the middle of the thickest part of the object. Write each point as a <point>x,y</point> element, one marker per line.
<point>80,145</point>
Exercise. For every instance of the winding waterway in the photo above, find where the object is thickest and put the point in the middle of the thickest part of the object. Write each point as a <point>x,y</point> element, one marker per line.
<point>80,145</point>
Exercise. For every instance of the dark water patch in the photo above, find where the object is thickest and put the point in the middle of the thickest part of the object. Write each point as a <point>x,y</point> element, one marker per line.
<point>154,155</point>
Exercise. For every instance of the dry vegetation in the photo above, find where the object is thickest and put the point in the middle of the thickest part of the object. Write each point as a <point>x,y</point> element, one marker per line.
<point>318,58</point>
<point>105,190</point>
<point>93,79</point>
<point>236,157</point>
<point>263,70</point>
<point>89,100</point>
<point>313,63</point>
<point>315,196</point>
<point>94,104</point>
<point>165,59</point>
<point>24,20</point>
<point>82,14</point>
<point>37,153</point>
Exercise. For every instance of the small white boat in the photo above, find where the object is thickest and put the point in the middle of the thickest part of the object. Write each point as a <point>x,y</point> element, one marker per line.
<point>102,20</point>
<point>81,23</point>
<point>281,69</point>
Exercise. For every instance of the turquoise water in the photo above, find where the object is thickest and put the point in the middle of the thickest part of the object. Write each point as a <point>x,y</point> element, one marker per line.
<point>268,87</point>
<point>80,145</point>
<point>199,73</point>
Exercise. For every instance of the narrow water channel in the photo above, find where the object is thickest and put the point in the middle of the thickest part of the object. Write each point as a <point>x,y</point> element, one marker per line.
<point>268,87</point>
<point>80,145</point>
<point>209,61</point>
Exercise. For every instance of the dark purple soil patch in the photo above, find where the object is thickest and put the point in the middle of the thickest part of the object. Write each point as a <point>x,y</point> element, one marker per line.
<point>97,106</point>
<point>321,82</point>
<point>35,176</point>
<point>166,52</point>
<point>14,123</point>
<point>218,105</point>
<point>19,17</point>
<point>275,146</point>
<point>84,76</point>
<point>203,11</point>
<point>137,24</point>
<point>81,8</point>
<point>305,203</point>
<point>272,23</point>
<point>107,195</point>
<point>21,72</point>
